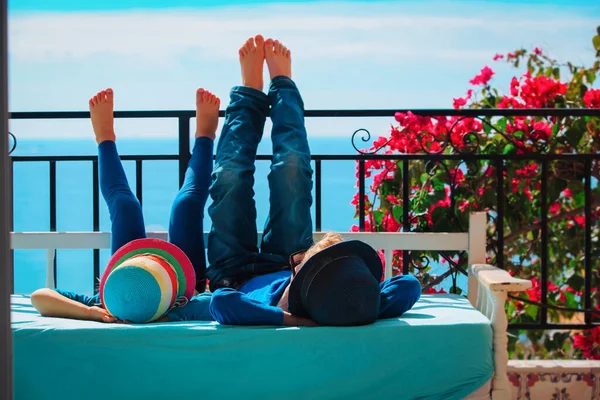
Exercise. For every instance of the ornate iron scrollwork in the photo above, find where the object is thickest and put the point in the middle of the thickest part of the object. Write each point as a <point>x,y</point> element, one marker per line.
<point>14,146</point>
<point>366,137</point>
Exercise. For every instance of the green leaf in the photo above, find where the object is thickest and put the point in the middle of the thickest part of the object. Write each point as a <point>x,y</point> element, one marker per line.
<point>378,216</point>
<point>579,199</point>
<point>571,302</point>
<point>424,178</point>
<point>509,149</point>
<point>555,186</point>
<point>590,76</point>
<point>518,134</point>
<point>487,128</point>
<point>438,184</point>
<point>555,129</point>
<point>531,312</point>
<point>397,213</point>
<point>502,124</point>
<point>438,214</point>
<point>596,42</point>
<point>598,30</point>
<point>574,136</point>
<point>556,73</point>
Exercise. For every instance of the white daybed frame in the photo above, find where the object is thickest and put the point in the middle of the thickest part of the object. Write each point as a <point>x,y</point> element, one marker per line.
<point>488,285</point>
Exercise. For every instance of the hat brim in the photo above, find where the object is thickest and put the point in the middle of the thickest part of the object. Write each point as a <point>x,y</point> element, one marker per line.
<point>320,260</point>
<point>186,276</point>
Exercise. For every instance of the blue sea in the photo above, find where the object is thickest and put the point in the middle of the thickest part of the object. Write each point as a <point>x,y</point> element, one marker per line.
<point>160,185</point>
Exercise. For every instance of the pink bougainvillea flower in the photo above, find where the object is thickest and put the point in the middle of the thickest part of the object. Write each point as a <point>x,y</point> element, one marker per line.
<point>498,56</point>
<point>579,220</point>
<point>484,76</point>
<point>591,99</point>
<point>537,51</point>
<point>390,224</point>
<point>392,199</point>
<point>457,176</point>
<point>514,86</point>
<point>589,343</point>
<point>554,208</point>
<point>462,101</point>
<point>434,291</point>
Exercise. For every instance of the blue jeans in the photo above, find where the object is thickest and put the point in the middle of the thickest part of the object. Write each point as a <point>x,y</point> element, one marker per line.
<point>187,212</point>
<point>234,254</point>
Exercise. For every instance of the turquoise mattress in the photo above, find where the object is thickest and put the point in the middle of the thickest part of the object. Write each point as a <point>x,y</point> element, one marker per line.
<point>441,349</point>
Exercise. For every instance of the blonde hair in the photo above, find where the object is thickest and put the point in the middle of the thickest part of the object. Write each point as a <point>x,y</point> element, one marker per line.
<point>329,239</point>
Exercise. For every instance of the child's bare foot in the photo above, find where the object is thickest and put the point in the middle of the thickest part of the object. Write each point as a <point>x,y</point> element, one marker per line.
<point>252,59</point>
<point>207,113</point>
<point>278,58</point>
<point>101,113</point>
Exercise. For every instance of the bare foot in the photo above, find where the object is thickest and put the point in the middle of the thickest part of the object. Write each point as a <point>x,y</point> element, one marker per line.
<point>101,113</point>
<point>252,59</point>
<point>207,113</point>
<point>278,58</point>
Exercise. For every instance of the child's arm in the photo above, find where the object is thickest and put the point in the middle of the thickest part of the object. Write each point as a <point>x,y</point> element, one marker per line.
<point>230,307</point>
<point>51,303</point>
<point>398,295</point>
<point>197,309</point>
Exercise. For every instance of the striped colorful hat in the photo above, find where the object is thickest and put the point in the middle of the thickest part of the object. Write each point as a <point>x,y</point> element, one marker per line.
<point>144,279</point>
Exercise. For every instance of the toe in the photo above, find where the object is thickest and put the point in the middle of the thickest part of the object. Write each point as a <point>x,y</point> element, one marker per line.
<point>199,93</point>
<point>109,94</point>
<point>102,96</point>
<point>269,46</point>
<point>259,40</point>
<point>288,54</point>
<point>91,102</point>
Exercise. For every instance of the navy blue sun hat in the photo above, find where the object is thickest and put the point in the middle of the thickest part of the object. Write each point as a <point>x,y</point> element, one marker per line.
<point>338,286</point>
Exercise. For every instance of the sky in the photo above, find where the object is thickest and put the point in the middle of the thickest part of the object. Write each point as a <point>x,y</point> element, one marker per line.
<point>347,54</point>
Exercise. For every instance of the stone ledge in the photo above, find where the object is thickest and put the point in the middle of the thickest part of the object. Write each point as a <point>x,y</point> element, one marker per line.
<point>579,365</point>
<point>550,379</point>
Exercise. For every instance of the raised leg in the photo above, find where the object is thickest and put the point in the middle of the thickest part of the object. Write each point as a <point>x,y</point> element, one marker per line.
<point>124,208</point>
<point>232,242</point>
<point>289,224</point>
<point>187,213</point>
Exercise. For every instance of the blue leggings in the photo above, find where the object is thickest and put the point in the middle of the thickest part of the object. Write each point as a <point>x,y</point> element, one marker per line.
<point>187,212</point>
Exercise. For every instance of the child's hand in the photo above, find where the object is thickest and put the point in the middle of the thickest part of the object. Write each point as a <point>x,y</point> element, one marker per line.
<point>100,315</point>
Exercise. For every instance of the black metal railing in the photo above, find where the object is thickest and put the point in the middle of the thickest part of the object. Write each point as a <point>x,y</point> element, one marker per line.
<point>497,160</point>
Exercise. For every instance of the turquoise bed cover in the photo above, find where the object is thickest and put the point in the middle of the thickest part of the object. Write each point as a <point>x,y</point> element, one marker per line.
<point>441,349</point>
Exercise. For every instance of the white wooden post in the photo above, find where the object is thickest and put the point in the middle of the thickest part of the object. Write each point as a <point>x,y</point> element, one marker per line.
<point>50,255</point>
<point>477,250</point>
